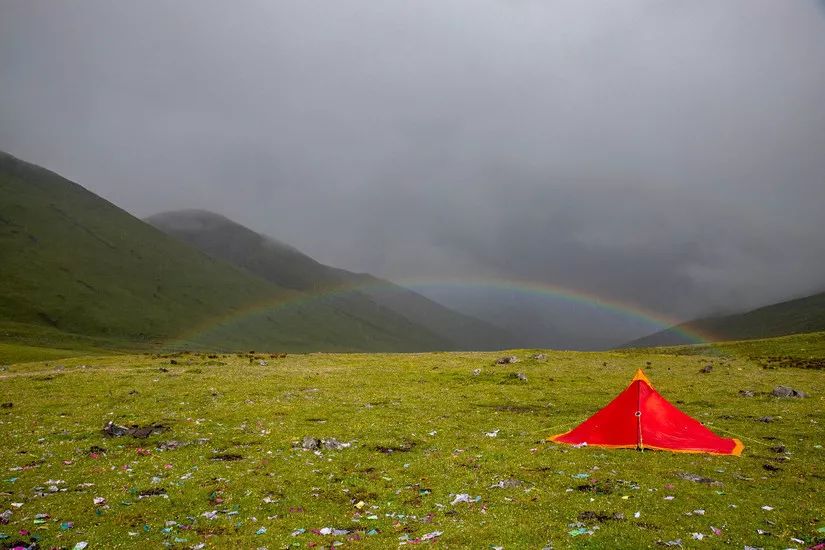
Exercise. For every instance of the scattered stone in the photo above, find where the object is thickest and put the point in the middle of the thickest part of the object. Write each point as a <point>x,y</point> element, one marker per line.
<point>404,447</point>
<point>539,357</point>
<point>706,369</point>
<point>509,483</point>
<point>476,372</point>
<point>765,419</point>
<point>746,393</point>
<point>139,432</point>
<point>333,444</point>
<point>508,360</point>
<point>310,444</point>
<point>519,376</point>
<point>785,391</point>
<point>697,478</point>
<point>314,444</point>
<point>171,445</point>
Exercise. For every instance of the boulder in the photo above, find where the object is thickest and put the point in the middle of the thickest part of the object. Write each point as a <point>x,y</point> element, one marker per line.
<point>785,391</point>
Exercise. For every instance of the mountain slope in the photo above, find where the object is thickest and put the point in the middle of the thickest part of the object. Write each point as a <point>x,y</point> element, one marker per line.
<point>282,264</point>
<point>791,317</point>
<point>73,263</point>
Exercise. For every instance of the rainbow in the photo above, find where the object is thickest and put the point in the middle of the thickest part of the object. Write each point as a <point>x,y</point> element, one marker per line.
<point>654,320</point>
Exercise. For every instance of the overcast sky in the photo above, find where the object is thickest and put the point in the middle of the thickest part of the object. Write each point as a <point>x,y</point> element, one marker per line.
<point>669,154</point>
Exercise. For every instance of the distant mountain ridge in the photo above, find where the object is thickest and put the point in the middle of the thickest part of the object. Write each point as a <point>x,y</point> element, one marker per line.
<point>288,267</point>
<point>796,316</point>
<point>74,264</point>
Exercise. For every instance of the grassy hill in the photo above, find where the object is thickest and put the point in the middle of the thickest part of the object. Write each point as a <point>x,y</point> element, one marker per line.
<point>74,266</point>
<point>229,471</point>
<point>286,266</point>
<point>792,317</point>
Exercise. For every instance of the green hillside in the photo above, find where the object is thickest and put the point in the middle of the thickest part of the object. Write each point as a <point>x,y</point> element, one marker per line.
<point>792,317</point>
<point>72,264</point>
<point>288,267</point>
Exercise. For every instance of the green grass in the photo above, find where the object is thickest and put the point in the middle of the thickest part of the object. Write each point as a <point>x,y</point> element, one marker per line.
<point>431,404</point>
<point>17,353</point>
<point>802,346</point>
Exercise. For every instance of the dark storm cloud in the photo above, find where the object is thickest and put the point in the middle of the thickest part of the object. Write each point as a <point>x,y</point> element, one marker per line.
<point>668,154</point>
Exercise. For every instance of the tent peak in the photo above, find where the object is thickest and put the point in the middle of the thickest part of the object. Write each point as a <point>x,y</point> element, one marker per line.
<point>640,375</point>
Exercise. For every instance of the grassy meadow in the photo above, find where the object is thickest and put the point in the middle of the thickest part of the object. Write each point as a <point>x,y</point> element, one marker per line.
<point>229,470</point>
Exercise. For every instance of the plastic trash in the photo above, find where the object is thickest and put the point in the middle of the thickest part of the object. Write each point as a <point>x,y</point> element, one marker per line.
<point>464,497</point>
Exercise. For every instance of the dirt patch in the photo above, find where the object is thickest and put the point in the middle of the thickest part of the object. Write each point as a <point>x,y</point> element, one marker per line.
<point>600,517</point>
<point>598,486</point>
<point>788,362</point>
<point>227,457</point>
<point>153,492</point>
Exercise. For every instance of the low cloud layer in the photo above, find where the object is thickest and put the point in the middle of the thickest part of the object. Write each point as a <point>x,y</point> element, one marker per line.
<point>666,154</point>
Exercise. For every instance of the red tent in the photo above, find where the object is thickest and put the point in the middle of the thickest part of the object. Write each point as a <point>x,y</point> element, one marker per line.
<point>641,418</point>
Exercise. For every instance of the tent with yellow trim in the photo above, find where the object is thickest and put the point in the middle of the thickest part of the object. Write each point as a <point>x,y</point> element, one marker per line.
<point>641,418</point>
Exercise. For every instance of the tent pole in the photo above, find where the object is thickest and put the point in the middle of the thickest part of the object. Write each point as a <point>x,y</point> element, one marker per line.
<point>640,442</point>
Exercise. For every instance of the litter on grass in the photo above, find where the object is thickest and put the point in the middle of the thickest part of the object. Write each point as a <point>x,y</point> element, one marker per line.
<point>464,497</point>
